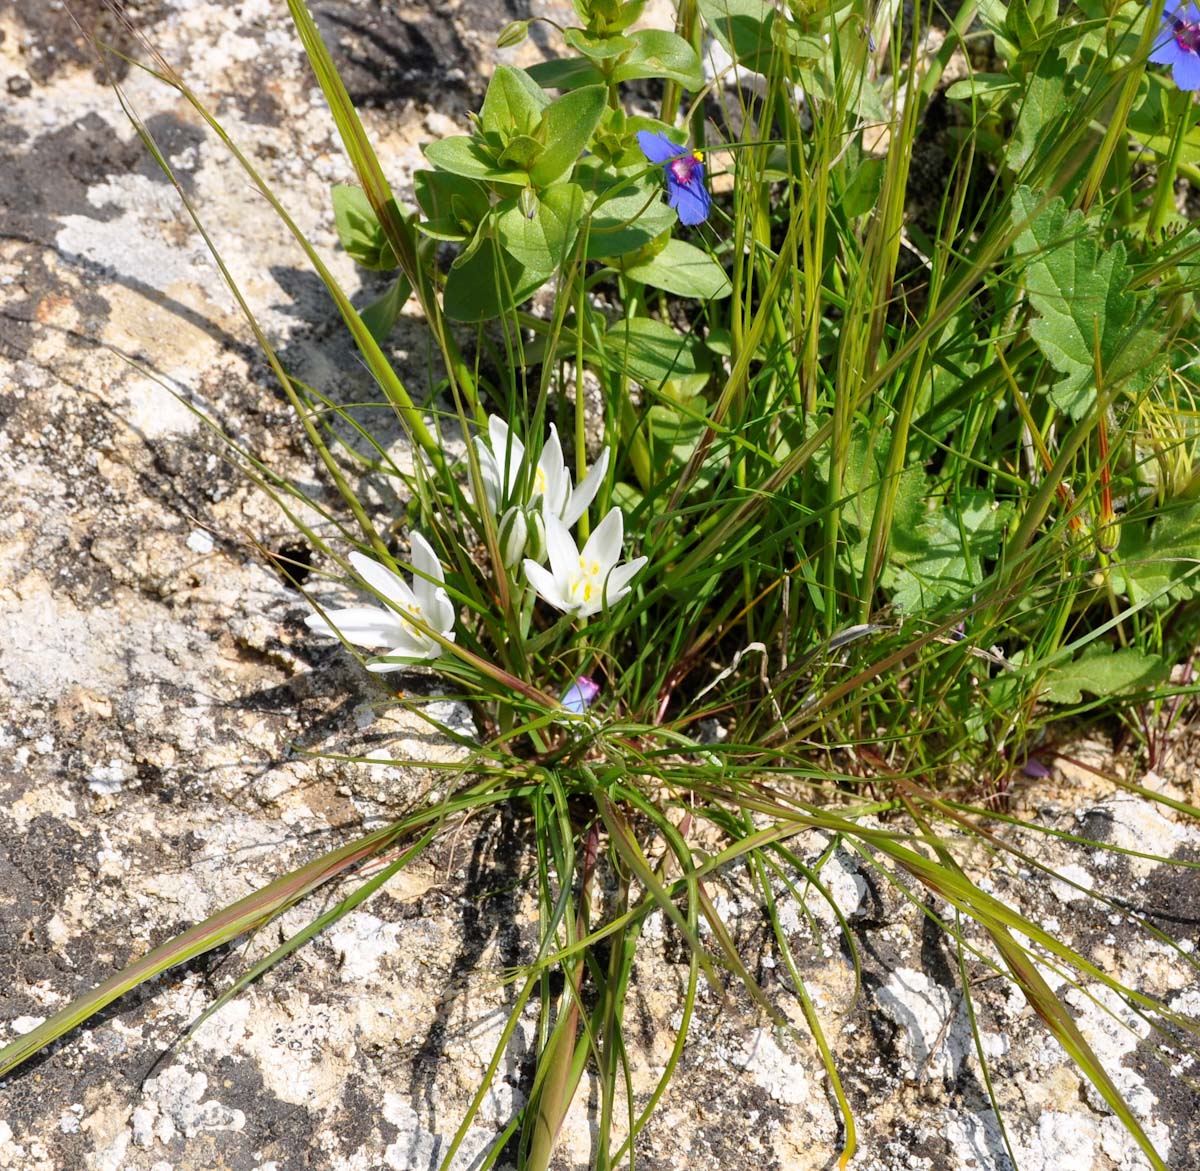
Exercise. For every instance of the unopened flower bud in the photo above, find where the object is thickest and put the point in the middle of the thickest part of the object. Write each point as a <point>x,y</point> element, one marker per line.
<point>514,534</point>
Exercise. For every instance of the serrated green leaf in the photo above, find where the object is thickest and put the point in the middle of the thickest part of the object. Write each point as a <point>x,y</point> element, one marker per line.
<point>938,555</point>
<point>566,129</point>
<point>1041,114</point>
<point>685,270</point>
<point>1160,555</point>
<point>1103,672</point>
<point>1081,294</point>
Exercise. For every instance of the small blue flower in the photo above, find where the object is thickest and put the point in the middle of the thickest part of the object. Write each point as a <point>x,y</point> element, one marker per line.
<point>1179,46</point>
<point>684,169</point>
<point>579,696</point>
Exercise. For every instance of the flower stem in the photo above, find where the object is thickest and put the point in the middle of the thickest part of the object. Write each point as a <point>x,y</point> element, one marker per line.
<point>1164,192</point>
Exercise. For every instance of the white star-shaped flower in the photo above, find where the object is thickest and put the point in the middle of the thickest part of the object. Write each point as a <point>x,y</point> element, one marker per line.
<point>371,626</point>
<point>584,583</point>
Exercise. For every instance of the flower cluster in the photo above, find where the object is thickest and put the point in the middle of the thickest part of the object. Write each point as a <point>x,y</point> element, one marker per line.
<point>518,507</point>
<point>425,601</point>
<point>535,514</point>
<point>535,509</point>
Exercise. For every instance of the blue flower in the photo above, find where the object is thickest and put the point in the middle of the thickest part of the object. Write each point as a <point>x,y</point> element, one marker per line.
<point>1179,46</point>
<point>579,696</point>
<point>684,169</point>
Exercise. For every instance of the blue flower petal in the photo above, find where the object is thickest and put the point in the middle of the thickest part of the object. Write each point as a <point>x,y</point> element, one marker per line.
<point>658,148</point>
<point>1187,71</point>
<point>1166,51</point>
<point>691,200</point>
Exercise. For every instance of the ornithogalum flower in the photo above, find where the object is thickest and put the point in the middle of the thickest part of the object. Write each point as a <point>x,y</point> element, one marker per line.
<point>584,583</point>
<point>550,490</point>
<point>684,169</point>
<point>1179,46</point>
<point>372,626</point>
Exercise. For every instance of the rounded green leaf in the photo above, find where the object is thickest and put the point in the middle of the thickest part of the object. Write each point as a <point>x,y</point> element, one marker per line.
<point>685,270</point>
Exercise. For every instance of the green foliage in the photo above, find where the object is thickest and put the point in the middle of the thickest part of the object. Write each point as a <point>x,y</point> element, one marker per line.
<point>1089,325</point>
<point>864,425</point>
<point>1103,672</point>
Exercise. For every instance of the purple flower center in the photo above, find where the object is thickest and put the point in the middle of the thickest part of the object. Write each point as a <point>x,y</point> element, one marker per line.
<point>1187,35</point>
<point>682,168</point>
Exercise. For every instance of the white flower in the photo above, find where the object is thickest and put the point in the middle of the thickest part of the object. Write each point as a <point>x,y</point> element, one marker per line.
<point>583,583</point>
<point>371,626</point>
<point>501,464</point>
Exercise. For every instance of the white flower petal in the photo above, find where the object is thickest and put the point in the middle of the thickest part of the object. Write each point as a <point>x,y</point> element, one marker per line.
<point>604,545</point>
<point>509,453</point>
<point>382,668</point>
<point>617,584</point>
<point>556,480</point>
<point>489,472</point>
<point>362,625</point>
<point>562,550</point>
<point>547,586</point>
<point>424,561</point>
<point>383,581</point>
<point>583,496</point>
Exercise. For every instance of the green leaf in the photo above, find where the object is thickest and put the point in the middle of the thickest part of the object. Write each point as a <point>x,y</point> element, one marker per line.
<point>652,353</point>
<point>594,47</point>
<point>454,206</point>
<point>359,230</point>
<point>1103,672</point>
<point>626,222</point>
<point>488,283</point>
<point>466,156</point>
<point>381,314</point>
<point>566,128</point>
<point>685,270</point>
<point>661,54</point>
<point>540,244</point>
<point>1041,115</point>
<point>1163,555</point>
<point>1081,294</point>
<point>565,73</point>
<point>940,556</point>
<point>513,103</point>
<point>520,152</point>
<point>744,29</point>
<point>987,88</point>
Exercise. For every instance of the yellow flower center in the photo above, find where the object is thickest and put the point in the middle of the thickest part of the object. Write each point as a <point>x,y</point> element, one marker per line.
<point>586,582</point>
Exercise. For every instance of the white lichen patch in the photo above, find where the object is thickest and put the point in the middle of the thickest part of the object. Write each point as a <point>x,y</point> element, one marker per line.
<point>934,1029</point>
<point>174,1103</point>
<point>776,1070</point>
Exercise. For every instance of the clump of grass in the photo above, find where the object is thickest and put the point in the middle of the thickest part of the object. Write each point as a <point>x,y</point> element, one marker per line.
<point>878,477</point>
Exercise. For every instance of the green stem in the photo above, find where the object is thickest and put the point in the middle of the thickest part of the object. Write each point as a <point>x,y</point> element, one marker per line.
<point>1168,168</point>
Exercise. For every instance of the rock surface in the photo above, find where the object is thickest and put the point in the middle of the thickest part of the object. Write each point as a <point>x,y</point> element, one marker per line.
<point>155,682</point>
